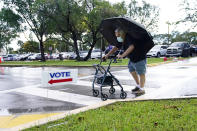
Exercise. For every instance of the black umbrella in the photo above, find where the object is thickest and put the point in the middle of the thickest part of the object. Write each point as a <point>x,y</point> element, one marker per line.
<point>134,29</point>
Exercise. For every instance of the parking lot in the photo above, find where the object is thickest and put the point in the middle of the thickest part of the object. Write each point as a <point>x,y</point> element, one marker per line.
<point>176,49</point>
<point>96,54</point>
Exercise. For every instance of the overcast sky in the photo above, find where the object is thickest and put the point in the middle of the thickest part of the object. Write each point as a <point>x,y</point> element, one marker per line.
<point>170,10</point>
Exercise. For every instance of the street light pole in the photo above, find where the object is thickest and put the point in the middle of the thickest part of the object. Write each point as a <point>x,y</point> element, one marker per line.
<point>168,23</point>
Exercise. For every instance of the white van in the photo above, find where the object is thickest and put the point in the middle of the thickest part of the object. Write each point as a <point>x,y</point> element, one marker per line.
<point>157,51</point>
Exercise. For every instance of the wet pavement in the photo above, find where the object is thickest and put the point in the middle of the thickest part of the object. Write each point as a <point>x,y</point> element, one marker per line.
<point>174,80</point>
<point>21,90</point>
<point>15,77</point>
<point>15,80</point>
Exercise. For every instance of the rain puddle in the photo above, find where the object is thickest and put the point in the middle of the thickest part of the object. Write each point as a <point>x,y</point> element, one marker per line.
<point>183,67</point>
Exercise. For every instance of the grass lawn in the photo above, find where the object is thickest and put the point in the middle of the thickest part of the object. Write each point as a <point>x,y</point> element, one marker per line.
<point>170,115</point>
<point>124,62</point>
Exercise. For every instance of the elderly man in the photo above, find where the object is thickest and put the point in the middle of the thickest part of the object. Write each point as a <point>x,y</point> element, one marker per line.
<point>137,63</point>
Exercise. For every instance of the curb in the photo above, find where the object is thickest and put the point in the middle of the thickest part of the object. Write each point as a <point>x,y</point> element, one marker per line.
<point>83,109</point>
<point>11,65</point>
<point>62,115</point>
<point>160,63</point>
<point>149,65</point>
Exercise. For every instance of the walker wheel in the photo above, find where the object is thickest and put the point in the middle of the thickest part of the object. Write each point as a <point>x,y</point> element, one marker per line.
<point>123,95</point>
<point>95,93</point>
<point>104,97</point>
<point>112,90</point>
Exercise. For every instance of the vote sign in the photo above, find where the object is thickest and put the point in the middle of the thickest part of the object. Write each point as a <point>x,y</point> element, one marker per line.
<point>53,78</point>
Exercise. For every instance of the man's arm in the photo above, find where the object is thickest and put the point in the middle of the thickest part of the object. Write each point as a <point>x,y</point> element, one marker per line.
<point>127,52</point>
<point>114,49</point>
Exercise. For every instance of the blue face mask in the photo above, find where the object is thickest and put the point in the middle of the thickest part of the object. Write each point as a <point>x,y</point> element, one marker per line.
<point>119,39</point>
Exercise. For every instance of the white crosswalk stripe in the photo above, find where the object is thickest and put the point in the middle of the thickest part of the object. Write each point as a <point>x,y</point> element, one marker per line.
<point>89,83</point>
<point>59,95</point>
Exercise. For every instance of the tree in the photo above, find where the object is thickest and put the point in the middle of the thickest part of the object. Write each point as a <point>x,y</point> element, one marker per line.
<point>176,36</point>
<point>30,47</point>
<point>144,13</point>
<point>96,11</point>
<point>190,8</point>
<point>162,38</point>
<point>67,17</point>
<point>29,11</point>
<point>61,44</point>
<point>78,21</point>
<point>190,37</point>
<point>20,43</point>
<point>51,45</point>
<point>9,27</point>
<point>10,50</point>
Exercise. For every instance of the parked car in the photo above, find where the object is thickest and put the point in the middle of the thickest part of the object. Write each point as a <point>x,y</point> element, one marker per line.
<point>12,57</point>
<point>5,57</point>
<point>193,50</point>
<point>83,54</point>
<point>157,51</point>
<point>72,56</point>
<point>1,59</point>
<point>16,57</point>
<point>65,55</point>
<point>55,56</point>
<point>47,56</point>
<point>36,56</point>
<point>178,49</point>
<point>24,57</point>
<point>96,54</point>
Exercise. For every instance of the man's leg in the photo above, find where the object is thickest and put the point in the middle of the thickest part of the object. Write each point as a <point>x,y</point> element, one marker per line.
<point>141,70</point>
<point>142,80</point>
<point>133,72</point>
<point>135,77</point>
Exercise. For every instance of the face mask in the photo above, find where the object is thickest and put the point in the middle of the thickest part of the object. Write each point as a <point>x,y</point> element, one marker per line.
<point>119,39</point>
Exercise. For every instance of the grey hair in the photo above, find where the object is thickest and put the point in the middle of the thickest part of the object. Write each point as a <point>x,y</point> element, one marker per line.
<point>120,30</point>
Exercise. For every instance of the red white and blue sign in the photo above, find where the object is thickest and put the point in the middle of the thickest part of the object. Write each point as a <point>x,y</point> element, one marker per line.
<point>53,78</point>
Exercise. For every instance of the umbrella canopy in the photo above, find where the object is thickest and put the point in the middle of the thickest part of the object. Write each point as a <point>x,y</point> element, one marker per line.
<point>134,29</point>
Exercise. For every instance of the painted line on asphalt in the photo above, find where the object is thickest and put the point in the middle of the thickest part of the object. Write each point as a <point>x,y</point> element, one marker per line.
<point>85,77</point>
<point>126,88</point>
<point>12,90</point>
<point>61,115</point>
<point>59,95</point>
<point>7,122</point>
<point>88,83</point>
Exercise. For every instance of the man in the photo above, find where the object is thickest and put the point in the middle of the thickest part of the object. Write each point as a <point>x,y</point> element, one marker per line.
<point>135,51</point>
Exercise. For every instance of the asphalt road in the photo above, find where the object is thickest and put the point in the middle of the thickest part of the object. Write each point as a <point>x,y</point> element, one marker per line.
<point>21,90</point>
<point>14,81</point>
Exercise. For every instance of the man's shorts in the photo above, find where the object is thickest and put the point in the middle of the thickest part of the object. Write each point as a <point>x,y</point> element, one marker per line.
<point>139,67</point>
